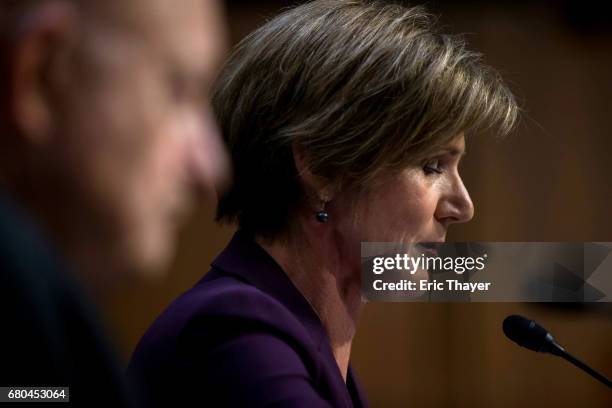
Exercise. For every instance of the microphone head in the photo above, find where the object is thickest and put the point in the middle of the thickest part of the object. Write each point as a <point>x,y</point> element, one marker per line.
<point>527,333</point>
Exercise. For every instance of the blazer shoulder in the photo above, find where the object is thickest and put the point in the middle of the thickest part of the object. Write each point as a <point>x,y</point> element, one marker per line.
<point>231,306</point>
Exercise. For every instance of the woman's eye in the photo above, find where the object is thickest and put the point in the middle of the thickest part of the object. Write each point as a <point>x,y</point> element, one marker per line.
<point>432,166</point>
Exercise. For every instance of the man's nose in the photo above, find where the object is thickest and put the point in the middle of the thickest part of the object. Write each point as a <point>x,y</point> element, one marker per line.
<point>207,159</point>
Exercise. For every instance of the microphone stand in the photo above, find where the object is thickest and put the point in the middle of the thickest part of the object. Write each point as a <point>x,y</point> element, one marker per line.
<point>583,366</point>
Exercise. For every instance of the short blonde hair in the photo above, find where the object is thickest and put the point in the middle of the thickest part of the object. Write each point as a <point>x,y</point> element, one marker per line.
<point>363,88</point>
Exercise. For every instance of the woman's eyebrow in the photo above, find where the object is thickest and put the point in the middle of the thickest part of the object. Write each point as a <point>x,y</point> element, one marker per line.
<point>452,151</point>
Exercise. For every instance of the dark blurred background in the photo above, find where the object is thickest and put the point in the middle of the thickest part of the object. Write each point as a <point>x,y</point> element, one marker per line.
<point>549,181</point>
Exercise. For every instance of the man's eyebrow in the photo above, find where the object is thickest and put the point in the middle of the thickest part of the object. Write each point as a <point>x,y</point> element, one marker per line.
<point>195,79</point>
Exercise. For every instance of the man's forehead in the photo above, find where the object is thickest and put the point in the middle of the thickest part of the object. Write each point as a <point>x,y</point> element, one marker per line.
<point>188,30</point>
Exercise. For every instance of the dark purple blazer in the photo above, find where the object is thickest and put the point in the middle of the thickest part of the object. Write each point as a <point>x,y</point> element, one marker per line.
<point>243,336</point>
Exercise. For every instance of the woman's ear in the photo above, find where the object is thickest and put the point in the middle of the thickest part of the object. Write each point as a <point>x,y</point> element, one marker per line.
<point>319,187</point>
<point>40,45</point>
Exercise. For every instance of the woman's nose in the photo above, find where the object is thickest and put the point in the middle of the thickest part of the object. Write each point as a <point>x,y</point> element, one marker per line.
<point>456,206</point>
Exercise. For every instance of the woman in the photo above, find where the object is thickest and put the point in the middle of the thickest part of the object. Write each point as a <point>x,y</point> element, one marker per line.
<point>346,123</point>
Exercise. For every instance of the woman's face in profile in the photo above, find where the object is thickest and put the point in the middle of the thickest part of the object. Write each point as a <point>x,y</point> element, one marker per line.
<point>416,205</point>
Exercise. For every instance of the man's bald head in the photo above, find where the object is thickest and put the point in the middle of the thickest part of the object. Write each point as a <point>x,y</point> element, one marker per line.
<point>108,120</point>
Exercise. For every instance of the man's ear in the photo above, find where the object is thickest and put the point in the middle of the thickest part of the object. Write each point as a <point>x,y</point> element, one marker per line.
<point>40,50</point>
<point>318,186</point>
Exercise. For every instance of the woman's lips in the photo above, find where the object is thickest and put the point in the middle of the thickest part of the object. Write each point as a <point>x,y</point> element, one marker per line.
<point>431,252</point>
<point>429,248</point>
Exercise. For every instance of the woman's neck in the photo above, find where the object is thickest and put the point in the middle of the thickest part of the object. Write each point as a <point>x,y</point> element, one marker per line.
<point>333,292</point>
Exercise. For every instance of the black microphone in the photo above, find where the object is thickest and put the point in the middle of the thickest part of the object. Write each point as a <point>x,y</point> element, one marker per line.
<point>527,333</point>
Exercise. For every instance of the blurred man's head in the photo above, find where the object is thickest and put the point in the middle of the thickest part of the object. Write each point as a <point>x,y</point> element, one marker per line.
<point>106,128</point>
